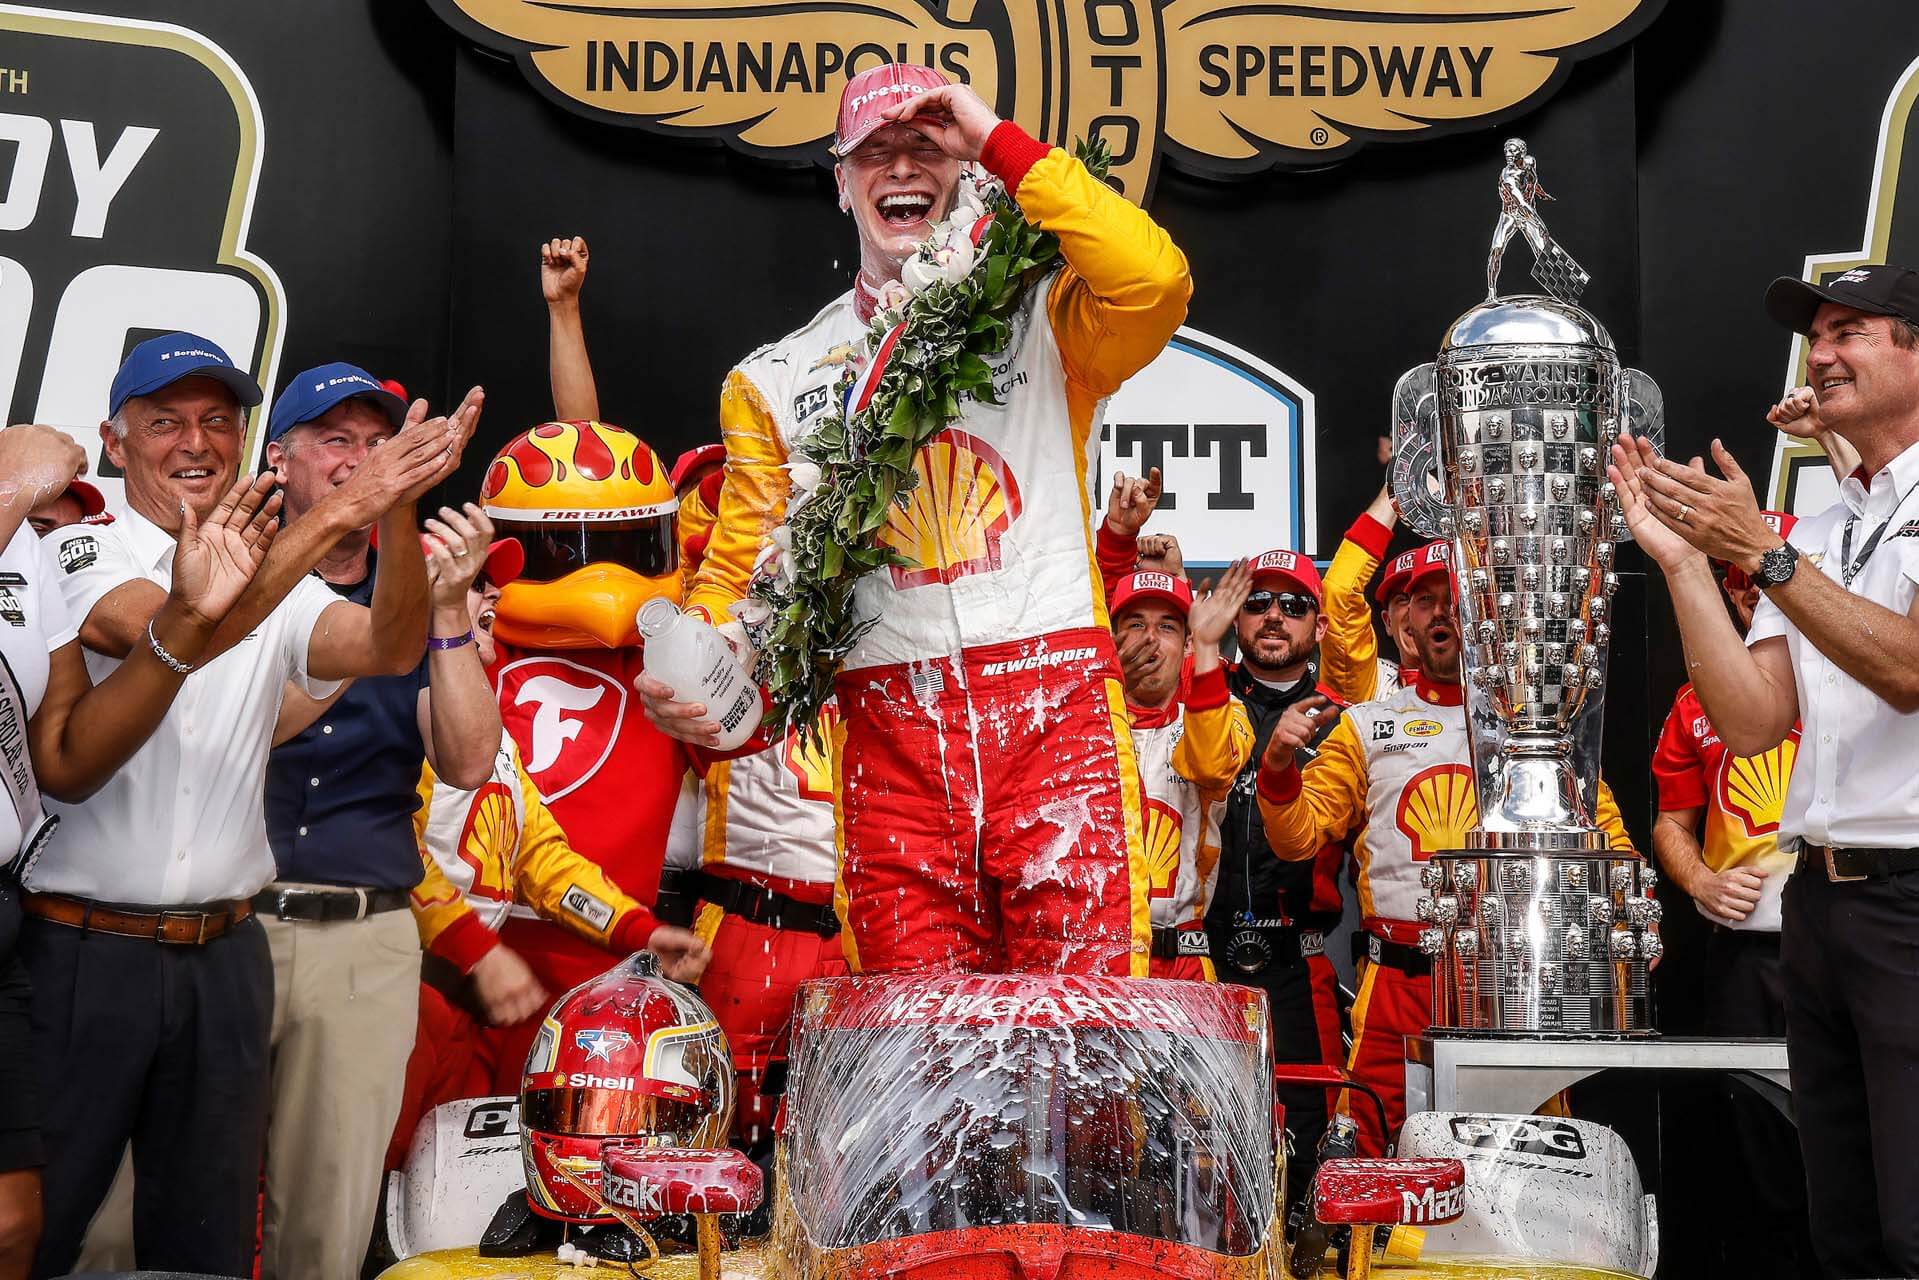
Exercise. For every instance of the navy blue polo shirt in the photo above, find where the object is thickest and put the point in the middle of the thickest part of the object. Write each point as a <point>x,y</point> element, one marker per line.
<point>340,797</point>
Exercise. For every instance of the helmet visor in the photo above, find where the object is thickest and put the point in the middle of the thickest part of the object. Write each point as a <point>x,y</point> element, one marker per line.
<point>648,546</point>
<point>610,1113</point>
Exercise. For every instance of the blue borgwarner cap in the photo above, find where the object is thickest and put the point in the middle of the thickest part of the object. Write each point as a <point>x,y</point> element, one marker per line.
<point>311,393</point>
<point>163,361</point>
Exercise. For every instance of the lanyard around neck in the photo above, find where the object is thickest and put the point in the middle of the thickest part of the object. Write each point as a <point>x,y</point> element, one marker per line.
<point>1849,568</point>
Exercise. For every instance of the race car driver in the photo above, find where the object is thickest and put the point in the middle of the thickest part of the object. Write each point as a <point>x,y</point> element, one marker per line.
<point>1192,738</point>
<point>1400,768</point>
<point>1349,655</point>
<point>975,835</point>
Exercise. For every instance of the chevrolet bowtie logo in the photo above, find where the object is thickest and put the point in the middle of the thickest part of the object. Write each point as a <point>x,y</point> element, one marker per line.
<point>1223,88</point>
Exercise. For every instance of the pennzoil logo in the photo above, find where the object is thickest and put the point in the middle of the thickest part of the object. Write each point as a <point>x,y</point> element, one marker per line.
<point>1423,728</point>
<point>1437,808</point>
<point>1220,87</point>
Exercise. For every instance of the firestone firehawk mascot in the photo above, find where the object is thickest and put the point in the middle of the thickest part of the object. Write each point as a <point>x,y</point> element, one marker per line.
<point>988,793</point>
<point>594,510</point>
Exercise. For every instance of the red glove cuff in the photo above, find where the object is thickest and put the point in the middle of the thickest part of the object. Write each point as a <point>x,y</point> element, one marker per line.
<point>465,942</point>
<point>1370,536</point>
<point>1279,786</point>
<point>1208,691</point>
<point>1009,152</point>
<point>631,931</point>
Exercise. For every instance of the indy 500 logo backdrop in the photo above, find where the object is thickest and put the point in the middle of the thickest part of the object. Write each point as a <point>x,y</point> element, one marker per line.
<point>1222,87</point>
<point>129,152</point>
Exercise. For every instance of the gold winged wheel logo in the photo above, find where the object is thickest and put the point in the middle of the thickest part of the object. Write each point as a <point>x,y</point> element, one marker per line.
<point>1222,88</point>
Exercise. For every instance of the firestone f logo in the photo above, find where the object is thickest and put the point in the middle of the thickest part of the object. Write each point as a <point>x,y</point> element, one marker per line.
<point>552,730</point>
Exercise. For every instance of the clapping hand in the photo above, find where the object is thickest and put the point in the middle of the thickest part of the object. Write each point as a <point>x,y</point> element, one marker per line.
<point>37,463</point>
<point>1216,605</point>
<point>425,452</point>
<point>455,553</point>
<point>214,561</point>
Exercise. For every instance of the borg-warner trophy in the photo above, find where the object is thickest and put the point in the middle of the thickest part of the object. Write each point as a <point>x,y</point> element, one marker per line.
<point>1536,927</point>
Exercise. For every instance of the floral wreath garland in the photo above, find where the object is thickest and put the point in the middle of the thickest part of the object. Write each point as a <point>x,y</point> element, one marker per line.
<point>926,350</point>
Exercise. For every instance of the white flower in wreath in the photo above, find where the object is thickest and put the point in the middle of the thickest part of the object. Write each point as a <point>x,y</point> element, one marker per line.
<point>804,478</point>
<point>955,258</point>
<point>893,296</point>
<point>920,273</point>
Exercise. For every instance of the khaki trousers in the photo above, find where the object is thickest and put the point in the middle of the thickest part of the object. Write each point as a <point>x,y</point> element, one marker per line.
<point>345,1004</point>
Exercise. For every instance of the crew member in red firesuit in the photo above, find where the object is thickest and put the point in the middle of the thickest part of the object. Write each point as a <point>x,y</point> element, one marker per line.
<point>975,834</point>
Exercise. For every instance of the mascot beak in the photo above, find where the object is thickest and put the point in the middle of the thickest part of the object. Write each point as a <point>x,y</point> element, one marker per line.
<point>587,609</point>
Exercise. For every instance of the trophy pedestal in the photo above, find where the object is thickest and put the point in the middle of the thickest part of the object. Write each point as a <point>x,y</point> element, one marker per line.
<point>1541,944</point>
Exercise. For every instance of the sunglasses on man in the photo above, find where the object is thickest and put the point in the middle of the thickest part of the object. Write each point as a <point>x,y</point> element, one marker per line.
<point>1290,603</point>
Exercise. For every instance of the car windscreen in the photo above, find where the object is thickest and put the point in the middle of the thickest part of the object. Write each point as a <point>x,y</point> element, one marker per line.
<point>903,1130</point>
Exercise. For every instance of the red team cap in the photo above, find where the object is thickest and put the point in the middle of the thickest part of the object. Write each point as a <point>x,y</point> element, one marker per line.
<point>690,463</point>
<point>1149,584</point>
<point>1288,568</point>
<point>1434,557</point>
<point>1395,580</point>
<point>92,501</point>
<point>870,94</point>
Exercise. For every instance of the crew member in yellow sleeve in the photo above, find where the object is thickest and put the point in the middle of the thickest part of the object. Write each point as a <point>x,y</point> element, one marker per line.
<point>1398,770</point>
<point>1349,659</point>
<point>975,834</point>
<point>1192,737</point>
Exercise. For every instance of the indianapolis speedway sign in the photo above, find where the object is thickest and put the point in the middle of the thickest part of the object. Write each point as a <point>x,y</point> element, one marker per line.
<point>1221,88</point>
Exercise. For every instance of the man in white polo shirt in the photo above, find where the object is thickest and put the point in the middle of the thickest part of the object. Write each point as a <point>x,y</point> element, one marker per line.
<point>153,988</point>
<point>1834,645</point>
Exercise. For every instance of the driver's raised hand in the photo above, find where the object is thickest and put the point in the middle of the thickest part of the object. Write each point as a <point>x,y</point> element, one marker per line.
<point>953,116</point>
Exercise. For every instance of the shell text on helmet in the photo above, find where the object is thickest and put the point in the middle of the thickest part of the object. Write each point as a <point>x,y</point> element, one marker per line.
<point>966,499</point>
<point>1437,808</point>
<point>1164,826</point>
<point>1753,788</point>
<point>576,471</point>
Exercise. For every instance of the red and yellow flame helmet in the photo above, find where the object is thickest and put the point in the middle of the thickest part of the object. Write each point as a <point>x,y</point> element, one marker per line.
<point>594,510</point>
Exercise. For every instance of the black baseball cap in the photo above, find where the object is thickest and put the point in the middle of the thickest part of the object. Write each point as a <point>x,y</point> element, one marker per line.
<point>1880,290</point>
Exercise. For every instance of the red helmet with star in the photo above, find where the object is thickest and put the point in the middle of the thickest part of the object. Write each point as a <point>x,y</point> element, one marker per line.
<point>629,1058</point>
<point>594,508</point>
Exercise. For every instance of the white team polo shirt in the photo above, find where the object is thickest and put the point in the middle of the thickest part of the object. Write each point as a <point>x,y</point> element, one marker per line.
<point>1853,784</point>
<point>184,820</point>
<point>33,623</point>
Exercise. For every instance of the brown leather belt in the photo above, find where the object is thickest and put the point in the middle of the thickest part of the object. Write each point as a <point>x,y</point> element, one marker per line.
<point>1843,865</point>
<point>191,927</point>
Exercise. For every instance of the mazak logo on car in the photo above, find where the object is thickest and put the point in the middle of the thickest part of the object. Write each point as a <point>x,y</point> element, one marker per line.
<point>1432,1204</point>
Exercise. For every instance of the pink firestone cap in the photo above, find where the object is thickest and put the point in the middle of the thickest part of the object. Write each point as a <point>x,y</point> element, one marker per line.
<point>871,93</point>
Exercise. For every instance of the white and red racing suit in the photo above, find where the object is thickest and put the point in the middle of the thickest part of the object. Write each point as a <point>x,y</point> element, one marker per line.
<point>990,814</point>
<point>1398,771</point>
<point>1190,751</point>
<point>768,859</point>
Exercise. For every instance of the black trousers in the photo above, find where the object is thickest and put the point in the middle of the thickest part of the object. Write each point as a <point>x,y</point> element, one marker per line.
<point>20,1146</point>
<point>164,1047</point>
<point>1850,957</point>
<point>1745,996</point>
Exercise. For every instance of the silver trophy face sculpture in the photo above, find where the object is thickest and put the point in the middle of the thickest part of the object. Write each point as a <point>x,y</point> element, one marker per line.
<point>1501,445</point>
